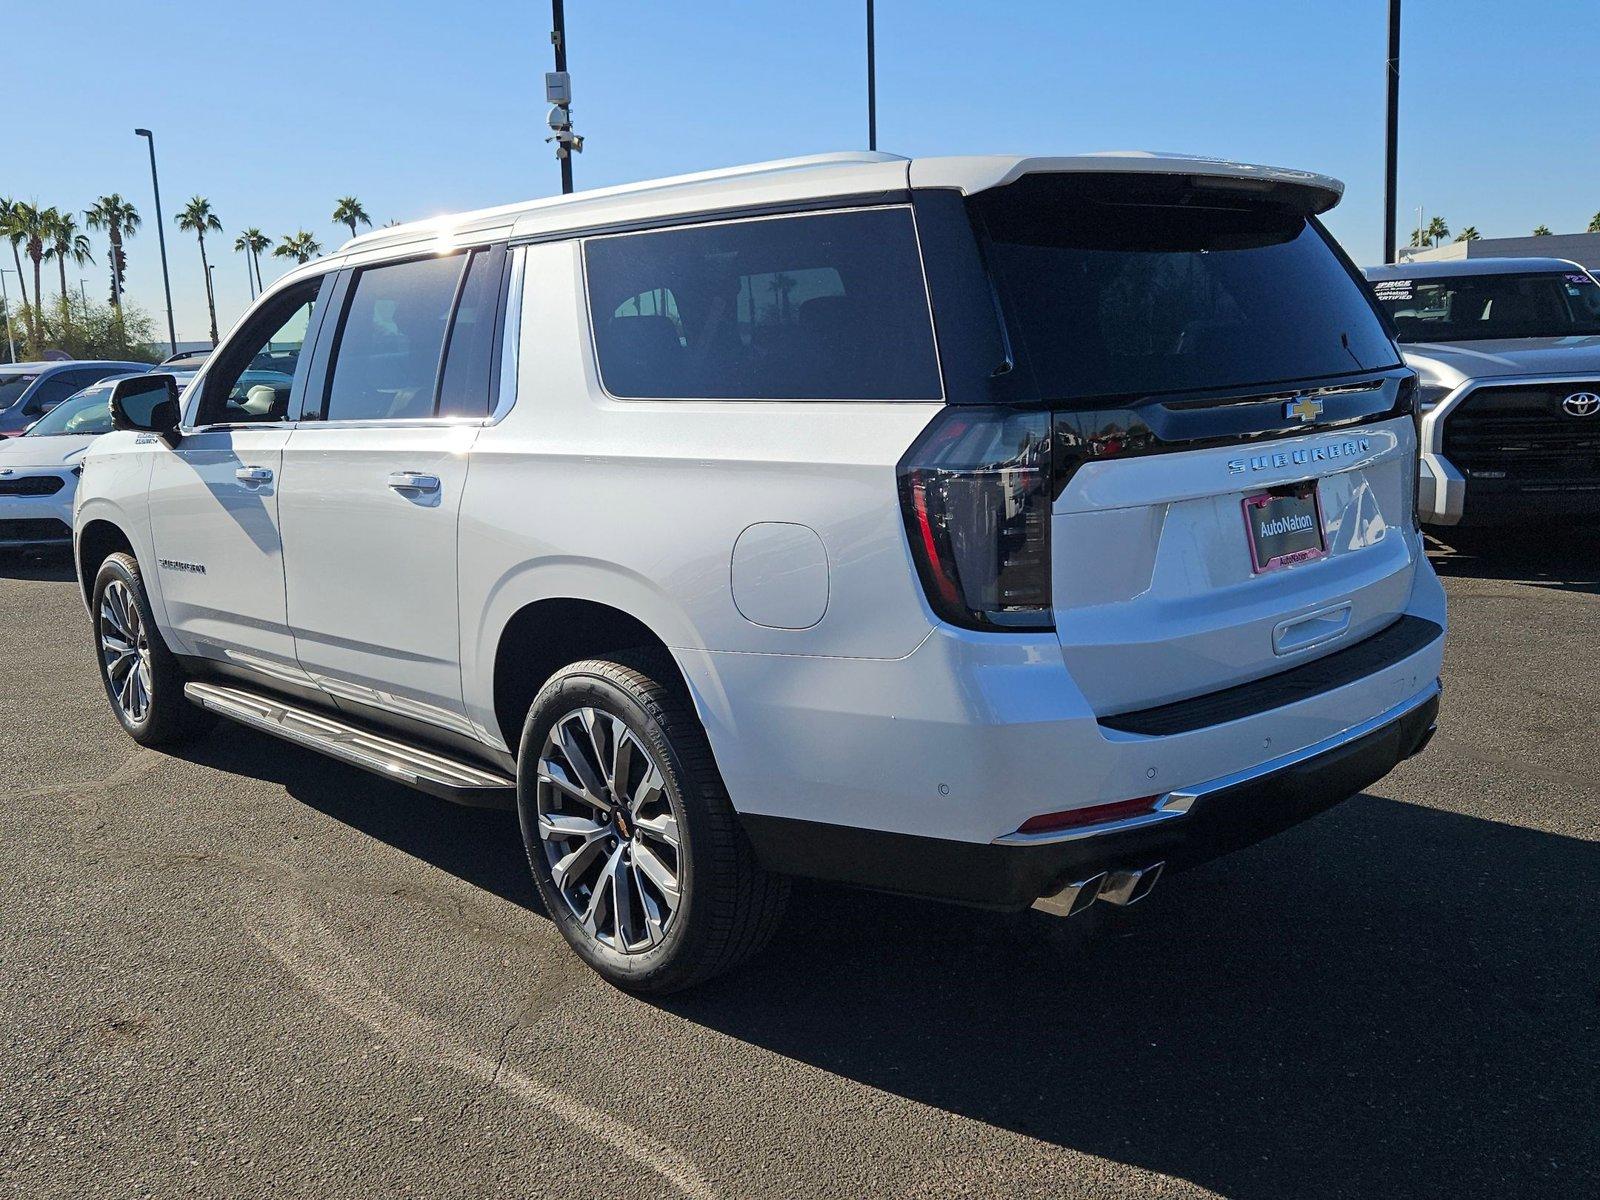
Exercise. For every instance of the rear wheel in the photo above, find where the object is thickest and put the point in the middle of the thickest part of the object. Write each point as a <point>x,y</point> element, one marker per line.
<point>142,679</point>
<point>630,836</point>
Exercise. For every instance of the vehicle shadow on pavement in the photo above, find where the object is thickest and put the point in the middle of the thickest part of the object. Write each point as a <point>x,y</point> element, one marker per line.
<point>1391,1000</point>
<point>481,846</point>
<point>1569,563</point>
<point>46,568</point>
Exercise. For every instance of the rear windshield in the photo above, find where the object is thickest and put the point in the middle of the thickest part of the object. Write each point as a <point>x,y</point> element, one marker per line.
<point>1117,286</point>
<point>1462,308</point>
<point>830,306</point>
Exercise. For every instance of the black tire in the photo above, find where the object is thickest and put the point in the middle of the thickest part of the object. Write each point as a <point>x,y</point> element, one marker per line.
<point>167,717</point>
<point>728,907</point>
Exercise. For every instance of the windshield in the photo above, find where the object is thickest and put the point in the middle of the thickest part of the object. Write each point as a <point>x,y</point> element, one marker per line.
<point>1461,308</point>
<point>87,412</point>
<point>1128,286</point>
<point>12,387</point>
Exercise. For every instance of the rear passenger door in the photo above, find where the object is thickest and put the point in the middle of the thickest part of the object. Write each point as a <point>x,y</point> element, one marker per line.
<point>373,476</point>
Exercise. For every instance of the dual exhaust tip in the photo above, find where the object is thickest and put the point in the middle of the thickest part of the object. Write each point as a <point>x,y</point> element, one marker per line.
<point>1121,887</point>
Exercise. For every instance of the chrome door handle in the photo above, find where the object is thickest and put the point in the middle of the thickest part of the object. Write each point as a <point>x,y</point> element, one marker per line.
<point>253,474</point>
<point>413,481</point>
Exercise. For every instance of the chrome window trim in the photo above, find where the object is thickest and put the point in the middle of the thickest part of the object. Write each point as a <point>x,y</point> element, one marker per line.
<point>594,346</point>
<point>1178,802</point>
<point>511,337</point>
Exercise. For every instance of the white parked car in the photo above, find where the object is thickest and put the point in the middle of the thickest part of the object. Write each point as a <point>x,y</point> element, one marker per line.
<point>39,471</point>
<point>992,529</point>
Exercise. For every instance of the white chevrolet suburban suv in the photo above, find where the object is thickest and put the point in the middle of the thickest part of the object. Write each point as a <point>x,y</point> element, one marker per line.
<point>991,529</point>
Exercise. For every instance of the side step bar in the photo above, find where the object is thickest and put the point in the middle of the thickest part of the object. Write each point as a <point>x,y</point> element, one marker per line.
<point>448,778</point>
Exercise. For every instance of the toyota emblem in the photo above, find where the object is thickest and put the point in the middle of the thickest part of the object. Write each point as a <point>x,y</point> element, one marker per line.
<point>1581,404</point>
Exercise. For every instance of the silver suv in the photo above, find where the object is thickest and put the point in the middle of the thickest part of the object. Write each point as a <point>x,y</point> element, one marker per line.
<point>1508,355</point>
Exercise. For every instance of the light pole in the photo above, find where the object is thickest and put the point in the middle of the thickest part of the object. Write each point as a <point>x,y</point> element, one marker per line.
<point>558,94</point>
<point>872,80</point>
<point>161,235</point>
<point>1391,142</point>
<point>5,300</point>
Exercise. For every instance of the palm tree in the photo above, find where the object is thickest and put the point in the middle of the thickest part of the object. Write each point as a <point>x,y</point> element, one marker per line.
<point>301,247</point>
<point>119,218</point>
<point>252,242</point>
<point>1541,231</point>
<point>1437,231</point>
<point>29,226</point>
<point>198,219</point>
<point>1594,223</point>
<point>349,212</point>
<point>13,234</point>
<point>66,242</point>
<point>1469,234</point>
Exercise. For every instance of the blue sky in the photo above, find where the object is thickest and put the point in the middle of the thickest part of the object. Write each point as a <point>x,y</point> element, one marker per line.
<point>426,108</point>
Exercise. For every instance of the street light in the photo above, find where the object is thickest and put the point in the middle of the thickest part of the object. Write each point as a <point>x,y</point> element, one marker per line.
<point>161,234</point>
<point>6,301</point>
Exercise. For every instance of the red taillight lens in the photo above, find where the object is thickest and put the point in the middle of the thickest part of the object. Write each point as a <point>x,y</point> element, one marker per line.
<point>1095,814</point>
<point>975,492</point>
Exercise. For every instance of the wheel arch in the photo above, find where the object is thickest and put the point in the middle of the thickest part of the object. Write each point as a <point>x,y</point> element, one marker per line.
<point>96,541</point>
<point>544,635</point>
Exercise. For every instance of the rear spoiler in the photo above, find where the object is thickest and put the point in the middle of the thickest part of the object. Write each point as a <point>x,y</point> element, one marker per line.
<point>1302,190</point>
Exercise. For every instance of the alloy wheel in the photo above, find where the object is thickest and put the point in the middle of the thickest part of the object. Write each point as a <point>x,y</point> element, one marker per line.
<point>609,830</point>
<point>125,651</point>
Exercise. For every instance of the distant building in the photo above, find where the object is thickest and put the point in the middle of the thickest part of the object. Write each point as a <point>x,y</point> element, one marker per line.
<point>1581,248</point>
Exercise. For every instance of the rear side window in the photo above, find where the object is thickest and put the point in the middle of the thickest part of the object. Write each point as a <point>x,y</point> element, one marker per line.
<point>469,357</point>
<point>828,306</point>
<point>386,363</point>
<point>1122,286</point>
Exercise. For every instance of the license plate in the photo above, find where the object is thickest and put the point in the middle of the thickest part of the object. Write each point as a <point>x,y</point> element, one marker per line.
<point>1284,526</point>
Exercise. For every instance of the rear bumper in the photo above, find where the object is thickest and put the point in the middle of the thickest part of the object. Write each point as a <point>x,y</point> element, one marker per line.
<point>1186,827</point>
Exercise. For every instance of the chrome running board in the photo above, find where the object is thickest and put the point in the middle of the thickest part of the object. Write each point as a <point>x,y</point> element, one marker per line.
<point>434,773</point>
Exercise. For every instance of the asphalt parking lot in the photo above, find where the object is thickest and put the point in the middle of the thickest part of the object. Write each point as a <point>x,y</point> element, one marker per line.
<point>244,970</point>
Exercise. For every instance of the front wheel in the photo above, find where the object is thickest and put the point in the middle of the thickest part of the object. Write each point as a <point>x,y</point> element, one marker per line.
<point>632,841</point>
<point>143,680</point>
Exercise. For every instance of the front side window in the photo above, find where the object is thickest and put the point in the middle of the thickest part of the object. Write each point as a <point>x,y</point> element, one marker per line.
<point>386,360</point>
<point>252,377</point>
<point>827,306</point>
<point>87,412</point>
<point>12,387</point>
<point>1122,286</point>
<point>1462,308</point>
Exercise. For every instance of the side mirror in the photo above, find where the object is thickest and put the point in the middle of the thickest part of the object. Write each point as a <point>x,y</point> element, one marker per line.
<point>148,403</point>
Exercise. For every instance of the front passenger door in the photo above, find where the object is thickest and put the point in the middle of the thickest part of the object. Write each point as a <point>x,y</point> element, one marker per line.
<point>214,496</point>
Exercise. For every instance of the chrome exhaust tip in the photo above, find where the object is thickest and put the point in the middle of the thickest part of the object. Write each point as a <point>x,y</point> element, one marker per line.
<point>1071,899</point>
<point>1123,888</point>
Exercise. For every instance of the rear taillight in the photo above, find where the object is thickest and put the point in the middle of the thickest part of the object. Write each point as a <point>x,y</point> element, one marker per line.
<point>975,491</point>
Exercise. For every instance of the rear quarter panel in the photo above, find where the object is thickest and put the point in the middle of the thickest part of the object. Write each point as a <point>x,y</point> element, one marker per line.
<point>638,504</point>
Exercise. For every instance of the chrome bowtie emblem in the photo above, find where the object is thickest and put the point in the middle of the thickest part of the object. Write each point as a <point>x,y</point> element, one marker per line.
<point>1581,404</point>
<point>1303,408</point>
